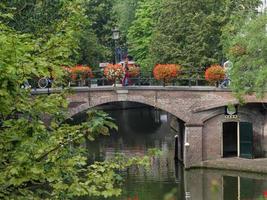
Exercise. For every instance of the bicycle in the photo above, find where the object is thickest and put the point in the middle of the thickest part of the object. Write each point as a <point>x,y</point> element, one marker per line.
<point>45,82</point>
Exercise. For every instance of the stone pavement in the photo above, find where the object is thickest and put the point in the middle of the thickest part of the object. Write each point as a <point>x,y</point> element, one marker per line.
<point>238,164</point>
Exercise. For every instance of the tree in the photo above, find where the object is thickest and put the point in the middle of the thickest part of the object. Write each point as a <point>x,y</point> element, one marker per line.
<point>103,20</point>
<point>125,11</point>
<point>189,32</point>
<point>141,30</point>
<point>248,52</point>
<point>46,160</point>
<point>39,17</point>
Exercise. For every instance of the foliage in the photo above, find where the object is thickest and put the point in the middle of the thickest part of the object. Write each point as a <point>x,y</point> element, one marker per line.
<point>125,11</point>
<point>114,72</point>
<point>238,13</point>
<point>134,70</point>
<point>214,73</point>
<point>249,72</point>
<point>80,72</point>
<point>98,36</point>
<point>41,156</point>
<point>187,32</point>
<point>166,72</point>
<point>40,18</point>
<point>140,32</point>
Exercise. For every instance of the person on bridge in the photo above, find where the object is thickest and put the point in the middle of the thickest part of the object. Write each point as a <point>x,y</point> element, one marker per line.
<point>125,80</point>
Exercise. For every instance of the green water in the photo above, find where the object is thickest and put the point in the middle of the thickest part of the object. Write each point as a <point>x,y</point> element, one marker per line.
<point>140,130</point>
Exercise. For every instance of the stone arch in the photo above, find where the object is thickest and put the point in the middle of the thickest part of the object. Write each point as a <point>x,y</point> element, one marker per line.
<point>85,106</point>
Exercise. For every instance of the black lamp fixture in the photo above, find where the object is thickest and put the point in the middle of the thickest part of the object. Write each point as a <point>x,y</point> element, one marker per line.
<point>115,37</point>
<point>115,33</point>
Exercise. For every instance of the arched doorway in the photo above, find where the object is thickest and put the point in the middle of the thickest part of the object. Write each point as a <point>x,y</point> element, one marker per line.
<point>237,139</point>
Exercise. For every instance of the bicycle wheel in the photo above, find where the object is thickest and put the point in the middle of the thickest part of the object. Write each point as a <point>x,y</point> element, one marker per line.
<point>43,82</point>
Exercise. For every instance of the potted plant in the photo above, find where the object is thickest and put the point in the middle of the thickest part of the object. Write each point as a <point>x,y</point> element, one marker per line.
<point>238,50</point>
<point>114,72</point>
<point>80,73</point>
<point>214,74</point>
<point>134,70</point>
<point>166,72</point>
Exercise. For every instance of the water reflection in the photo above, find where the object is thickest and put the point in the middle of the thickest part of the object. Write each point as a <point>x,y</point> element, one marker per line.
<point>140,129</point>
<point>225,185</point>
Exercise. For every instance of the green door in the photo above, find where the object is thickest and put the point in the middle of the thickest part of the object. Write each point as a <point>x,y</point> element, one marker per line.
<point>246,140</point>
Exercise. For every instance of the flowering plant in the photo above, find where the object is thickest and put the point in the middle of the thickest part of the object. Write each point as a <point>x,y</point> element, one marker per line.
<point>113,72</point>
<point>166,72</point>
<point>134,70</point>
<point>238,50</point>
<point>80,72</point>
<point>214,73</point>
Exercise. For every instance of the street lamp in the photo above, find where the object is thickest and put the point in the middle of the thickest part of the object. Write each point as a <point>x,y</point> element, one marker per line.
<point>115,37</point>
<point>115,33</point>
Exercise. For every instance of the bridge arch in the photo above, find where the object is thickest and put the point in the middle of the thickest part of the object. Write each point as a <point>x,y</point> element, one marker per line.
<point>84,106</point>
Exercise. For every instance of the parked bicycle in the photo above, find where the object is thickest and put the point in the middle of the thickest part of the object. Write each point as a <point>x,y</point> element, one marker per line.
<point>45,82</point>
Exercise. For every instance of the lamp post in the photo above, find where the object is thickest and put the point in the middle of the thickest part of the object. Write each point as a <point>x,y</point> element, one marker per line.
<point>115,37</point>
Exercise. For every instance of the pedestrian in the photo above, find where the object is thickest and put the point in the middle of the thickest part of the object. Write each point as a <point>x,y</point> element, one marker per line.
<point>125,81</point>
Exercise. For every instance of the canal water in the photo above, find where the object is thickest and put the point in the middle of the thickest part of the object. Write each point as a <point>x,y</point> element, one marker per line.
<point>142,128</point>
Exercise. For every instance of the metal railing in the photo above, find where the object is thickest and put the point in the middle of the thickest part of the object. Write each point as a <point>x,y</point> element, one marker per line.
<point>185,78</point>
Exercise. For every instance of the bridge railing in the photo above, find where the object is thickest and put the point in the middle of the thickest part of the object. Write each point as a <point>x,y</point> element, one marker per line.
<point>185,78</point>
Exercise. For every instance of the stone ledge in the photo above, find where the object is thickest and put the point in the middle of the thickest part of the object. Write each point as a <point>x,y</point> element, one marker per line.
<point>235,164</point>
<point>112,88</point>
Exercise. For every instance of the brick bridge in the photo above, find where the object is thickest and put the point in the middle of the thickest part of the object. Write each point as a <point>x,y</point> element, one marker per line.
<point>201,109</point>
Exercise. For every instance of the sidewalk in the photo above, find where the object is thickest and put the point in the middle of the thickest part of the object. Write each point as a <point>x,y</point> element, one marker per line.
<point>238,164</point>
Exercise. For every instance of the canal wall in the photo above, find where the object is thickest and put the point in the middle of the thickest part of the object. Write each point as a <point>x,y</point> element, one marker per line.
<point>178,127</point>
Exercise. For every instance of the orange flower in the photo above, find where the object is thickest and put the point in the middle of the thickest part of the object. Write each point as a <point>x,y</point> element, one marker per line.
<point>80,72</point>
<point>166,72</point>
<point>113,72</point>
<point>214,73</point>
<point>238,50</point>
<point>134,71</point>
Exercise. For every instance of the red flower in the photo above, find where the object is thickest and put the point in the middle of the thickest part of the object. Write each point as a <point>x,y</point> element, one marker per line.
<point>80,72</point>
<point>238,50</point>
<point>134,71</point>
<point>214,73</point>
<point>166,72</point>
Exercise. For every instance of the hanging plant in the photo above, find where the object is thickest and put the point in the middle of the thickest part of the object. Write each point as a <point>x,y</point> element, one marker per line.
<point>214,73</point>
<point>166,72</point>
<point>80,72</point>
<point>238,50</point>
<point>134,70</point>
<point>114,72</point>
